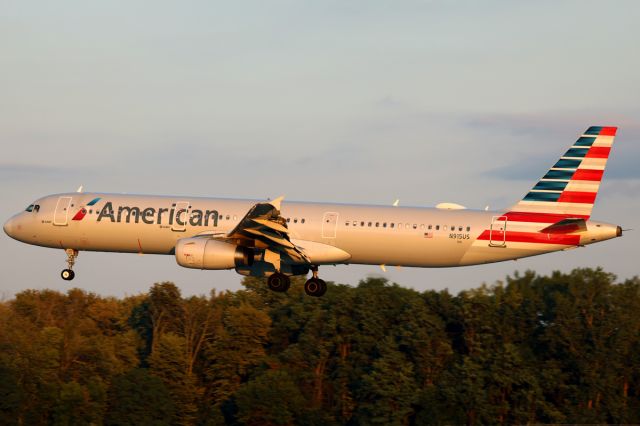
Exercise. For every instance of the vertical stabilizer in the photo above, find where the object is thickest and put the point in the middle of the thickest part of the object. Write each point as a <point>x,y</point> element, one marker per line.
<point>570,187</point>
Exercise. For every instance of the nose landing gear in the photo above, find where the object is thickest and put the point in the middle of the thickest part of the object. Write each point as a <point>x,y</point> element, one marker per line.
<point>68,274</point>
<point>314,286</point>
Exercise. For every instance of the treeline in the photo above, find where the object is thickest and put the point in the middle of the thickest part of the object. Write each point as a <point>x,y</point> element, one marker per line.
<point>534,349</point>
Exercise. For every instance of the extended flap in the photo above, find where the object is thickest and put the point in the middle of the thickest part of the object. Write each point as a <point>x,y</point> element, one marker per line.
<point>319,253</point>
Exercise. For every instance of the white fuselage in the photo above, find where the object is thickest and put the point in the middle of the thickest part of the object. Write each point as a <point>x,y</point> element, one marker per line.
<point>404,236</point>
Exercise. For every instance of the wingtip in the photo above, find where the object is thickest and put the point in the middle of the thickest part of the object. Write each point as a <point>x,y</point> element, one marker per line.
<point>277,202</point>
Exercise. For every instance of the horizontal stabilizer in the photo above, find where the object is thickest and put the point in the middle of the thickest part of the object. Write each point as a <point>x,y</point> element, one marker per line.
<point>566,226</point>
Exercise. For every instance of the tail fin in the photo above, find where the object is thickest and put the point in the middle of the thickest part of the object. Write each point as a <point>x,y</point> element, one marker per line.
<point>569,188</point>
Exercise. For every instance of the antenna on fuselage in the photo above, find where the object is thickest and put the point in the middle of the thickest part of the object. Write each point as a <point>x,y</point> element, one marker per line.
<point>79,189</point>
<point>396,203</point>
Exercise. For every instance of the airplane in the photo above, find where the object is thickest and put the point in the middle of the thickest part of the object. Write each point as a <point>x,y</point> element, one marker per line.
<point>277,239</point>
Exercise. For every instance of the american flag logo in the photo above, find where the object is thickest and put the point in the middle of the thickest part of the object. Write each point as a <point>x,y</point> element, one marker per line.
<point>428,234</point>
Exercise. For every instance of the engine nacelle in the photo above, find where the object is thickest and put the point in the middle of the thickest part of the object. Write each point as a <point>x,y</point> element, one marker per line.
<point>205,253</point>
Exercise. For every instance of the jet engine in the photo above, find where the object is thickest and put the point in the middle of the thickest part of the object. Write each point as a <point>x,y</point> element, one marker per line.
<point>206,253</point>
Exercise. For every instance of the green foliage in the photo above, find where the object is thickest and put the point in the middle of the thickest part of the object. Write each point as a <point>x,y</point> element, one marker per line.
<point>139,398</point>
<point>270,399</point>
<point>563,348</point>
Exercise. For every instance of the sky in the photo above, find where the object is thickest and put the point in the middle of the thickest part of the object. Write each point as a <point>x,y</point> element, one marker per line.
<point>347,101</point>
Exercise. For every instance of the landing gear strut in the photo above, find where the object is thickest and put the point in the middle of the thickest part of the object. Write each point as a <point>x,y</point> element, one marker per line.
<point>314,286</point>
<point>68,274</point>
<point>278,282</point>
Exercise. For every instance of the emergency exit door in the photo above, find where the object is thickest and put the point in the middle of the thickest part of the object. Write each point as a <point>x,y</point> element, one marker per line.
<point>329,225</point>
<point>498,232</point>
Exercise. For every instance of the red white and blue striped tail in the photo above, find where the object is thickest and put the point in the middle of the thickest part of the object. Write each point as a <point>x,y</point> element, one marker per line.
<point>570,187</point>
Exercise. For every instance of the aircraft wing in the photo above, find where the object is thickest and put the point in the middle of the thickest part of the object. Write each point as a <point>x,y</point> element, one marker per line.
<point>264,228</point>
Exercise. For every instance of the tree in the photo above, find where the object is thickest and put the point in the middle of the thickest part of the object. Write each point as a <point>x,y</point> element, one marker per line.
<point>272,398</point>
<point>239,345</point>
<point>169,364</point>
<point>139,398</point>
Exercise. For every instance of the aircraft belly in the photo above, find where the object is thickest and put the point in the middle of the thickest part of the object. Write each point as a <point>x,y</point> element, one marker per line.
<point>480,252</point>
<point>403,249</point>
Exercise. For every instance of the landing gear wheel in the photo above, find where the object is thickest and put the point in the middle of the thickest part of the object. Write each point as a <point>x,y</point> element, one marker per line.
<point>67,274</point>
<point>279,282</point>
<point>315,287</point>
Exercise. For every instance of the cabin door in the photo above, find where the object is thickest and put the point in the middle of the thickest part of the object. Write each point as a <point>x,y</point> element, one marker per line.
<point>61,215</point>
<point>498,232</point>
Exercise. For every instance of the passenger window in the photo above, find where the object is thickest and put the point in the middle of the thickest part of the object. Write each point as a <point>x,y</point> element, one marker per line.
<point>377,224</point>
<point>302,221</point>
<point>468,228</point>
<point>346,223</point>
<point>460,228</point>
<point>438,228</point>
<point>415,226</point>
<point>407,226</point>
<point>453,228</point>
<point>369,223</point>
<point>430,227</point>
<point>355,223</point>
<point>361,223</point>
<point>294,220</point>
<point>422,226</point>
<point>392,224</point>
<point>288,219</point>
<point>227,217</point>
<point>384,225</point>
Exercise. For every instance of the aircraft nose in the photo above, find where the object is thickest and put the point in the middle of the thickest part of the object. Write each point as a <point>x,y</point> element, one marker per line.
<point>8,227</point>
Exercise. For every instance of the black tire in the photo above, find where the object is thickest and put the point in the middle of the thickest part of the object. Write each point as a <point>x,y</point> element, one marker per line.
<point>67,274</point>
<point>278,282</point>
<point>315,287</point>
<point>323,288</point>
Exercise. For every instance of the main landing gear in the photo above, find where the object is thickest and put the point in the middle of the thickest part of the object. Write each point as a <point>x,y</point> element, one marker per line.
<point>278,282</point>
<point>68,274</point>
<point>314,286</point>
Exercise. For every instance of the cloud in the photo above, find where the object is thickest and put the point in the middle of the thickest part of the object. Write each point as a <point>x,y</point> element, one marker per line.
<point>540,132</point>
<point>554,123</point>
<point>526,169</point>
<point>35,171</point>
<point>624,168</point>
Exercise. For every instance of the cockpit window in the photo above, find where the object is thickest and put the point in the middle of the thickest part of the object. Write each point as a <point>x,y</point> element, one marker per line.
<point>36,208</point>
<point>30,208</point>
